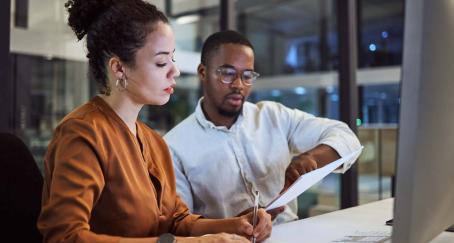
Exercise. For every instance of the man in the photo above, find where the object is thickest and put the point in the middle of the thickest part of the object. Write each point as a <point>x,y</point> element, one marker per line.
<point>228,148</point>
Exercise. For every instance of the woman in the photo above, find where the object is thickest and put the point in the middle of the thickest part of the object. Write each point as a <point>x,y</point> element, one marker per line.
<point>109,177</point>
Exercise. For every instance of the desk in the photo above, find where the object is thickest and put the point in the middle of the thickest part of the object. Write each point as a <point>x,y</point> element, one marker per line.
<point>344,226</point>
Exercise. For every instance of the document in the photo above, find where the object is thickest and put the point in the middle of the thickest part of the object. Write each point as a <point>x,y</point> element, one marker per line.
<point>309,179</point>
<point>369,236</point>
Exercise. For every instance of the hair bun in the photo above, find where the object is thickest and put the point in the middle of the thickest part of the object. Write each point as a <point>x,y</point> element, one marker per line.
<point>82,14</point>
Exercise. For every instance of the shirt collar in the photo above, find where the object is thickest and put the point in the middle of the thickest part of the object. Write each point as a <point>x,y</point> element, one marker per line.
<point>205,123</point>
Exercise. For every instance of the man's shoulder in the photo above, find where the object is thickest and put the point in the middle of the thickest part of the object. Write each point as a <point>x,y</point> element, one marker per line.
<point>265,106</point>
<point>268,104</point>
<point>181,129</point>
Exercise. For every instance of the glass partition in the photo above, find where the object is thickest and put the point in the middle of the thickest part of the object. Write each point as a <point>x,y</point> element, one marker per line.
<point>297,54</point>
<point>48,89</point>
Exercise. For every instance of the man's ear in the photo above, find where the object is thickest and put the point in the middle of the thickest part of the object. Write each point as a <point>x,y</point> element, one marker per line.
<point>202,72</point>
<point>115,67</point>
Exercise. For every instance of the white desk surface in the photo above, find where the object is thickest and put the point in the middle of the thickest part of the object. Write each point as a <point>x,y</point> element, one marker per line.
<point>348,225</point>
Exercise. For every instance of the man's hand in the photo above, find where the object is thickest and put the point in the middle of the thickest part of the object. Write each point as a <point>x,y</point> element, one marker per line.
<point>275,212</point>
<point>299,165</point>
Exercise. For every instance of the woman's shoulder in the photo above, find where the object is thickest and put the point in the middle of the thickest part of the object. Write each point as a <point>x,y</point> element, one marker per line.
<point>86,119</point>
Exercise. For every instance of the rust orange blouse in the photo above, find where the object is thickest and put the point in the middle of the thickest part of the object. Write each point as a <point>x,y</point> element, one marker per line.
<point>103,183</point>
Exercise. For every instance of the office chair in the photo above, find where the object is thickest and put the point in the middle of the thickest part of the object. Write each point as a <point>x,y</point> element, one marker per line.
<point>20,189</point>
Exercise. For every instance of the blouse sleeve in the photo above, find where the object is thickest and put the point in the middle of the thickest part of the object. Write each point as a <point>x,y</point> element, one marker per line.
<point>184,220</point>
<point>74,182</point>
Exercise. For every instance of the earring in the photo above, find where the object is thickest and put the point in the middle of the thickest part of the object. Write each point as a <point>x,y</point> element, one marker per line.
<point>121,83</point>
<point>106,90</point>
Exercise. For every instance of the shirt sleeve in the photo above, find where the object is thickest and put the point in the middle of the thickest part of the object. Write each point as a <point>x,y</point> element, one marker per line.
<point>74,182</point>
<point>307,131</point>
<point>183,220</point>
<point>183,186</point>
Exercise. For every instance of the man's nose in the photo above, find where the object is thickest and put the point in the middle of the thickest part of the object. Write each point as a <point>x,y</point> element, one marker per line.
<point>237,82</point>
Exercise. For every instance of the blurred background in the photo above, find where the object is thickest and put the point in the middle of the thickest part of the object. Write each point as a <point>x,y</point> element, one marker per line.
<point>296,52</point>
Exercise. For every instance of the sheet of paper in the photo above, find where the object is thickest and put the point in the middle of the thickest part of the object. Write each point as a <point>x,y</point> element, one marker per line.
<point>367,236</point>
<point>309,179</point>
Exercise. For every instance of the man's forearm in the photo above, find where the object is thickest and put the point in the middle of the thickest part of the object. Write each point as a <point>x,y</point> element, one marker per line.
<point>323,154</point>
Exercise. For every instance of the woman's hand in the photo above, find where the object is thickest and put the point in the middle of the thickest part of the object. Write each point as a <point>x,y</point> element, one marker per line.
<point>241,225</point>
<point>273,212</point>
<point>261,231</point>
<point>214,238</point>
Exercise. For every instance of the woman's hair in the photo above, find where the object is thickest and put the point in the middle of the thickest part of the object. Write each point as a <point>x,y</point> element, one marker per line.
<point>113,28</point>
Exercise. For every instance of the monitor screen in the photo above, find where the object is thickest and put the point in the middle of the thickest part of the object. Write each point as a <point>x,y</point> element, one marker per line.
<point>424,203</point>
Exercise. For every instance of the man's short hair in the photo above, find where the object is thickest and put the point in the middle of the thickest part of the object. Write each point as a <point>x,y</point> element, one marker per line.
<point>214,41</point>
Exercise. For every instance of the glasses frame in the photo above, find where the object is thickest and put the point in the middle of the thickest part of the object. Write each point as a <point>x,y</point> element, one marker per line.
<point>241,75</point>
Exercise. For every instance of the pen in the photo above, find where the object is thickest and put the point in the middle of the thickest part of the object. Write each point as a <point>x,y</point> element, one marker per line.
<point>254,216</point>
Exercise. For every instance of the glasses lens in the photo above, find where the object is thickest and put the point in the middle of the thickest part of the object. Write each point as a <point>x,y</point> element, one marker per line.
<point>227,74</point>
<point>249,76</point>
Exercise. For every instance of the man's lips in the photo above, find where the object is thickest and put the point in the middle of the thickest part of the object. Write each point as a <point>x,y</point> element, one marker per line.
<point>235,99</point>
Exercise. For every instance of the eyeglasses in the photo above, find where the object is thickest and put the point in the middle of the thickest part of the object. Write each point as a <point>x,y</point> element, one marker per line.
<point>228,75</point>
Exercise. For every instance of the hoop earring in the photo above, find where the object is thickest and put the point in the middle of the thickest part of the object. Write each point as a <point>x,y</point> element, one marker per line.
<point>107,90</point>
<point>121,84</point>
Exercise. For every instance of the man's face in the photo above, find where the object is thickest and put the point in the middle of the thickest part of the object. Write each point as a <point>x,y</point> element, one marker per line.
<point>226,98</point>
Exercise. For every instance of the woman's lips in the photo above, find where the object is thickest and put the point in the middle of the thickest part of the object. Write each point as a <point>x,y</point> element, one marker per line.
<point>169,90</point>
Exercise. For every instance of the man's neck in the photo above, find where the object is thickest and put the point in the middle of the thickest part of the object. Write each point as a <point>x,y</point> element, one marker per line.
<point>213,115</point>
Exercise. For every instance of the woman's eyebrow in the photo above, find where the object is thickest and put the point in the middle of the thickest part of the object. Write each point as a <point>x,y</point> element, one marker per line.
<point>164,53</point>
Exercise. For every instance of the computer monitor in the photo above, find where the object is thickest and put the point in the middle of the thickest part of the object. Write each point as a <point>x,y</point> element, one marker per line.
<point>424,202</point>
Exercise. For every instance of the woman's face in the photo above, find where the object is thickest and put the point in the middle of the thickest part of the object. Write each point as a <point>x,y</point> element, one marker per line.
<point>152,79</point>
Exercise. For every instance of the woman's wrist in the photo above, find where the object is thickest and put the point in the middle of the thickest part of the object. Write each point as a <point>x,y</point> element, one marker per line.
<point>233,225</point>
<point>179,239</point>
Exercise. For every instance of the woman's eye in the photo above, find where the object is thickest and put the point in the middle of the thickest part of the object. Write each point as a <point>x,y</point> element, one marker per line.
<point>161,64</point>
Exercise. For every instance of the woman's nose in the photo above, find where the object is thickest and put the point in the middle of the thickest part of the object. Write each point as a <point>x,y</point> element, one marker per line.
<point>175,71</point>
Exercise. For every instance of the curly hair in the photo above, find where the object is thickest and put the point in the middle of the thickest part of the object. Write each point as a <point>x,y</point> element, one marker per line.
<point>112,28</point>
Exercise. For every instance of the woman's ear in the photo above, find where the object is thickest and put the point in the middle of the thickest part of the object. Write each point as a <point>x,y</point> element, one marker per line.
<point>115,67</point>
<point>202,72</point>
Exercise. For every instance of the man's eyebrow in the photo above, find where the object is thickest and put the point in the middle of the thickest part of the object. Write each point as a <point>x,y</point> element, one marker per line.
<point>227,66</point>
<point>164,53</point>
<point>233,67</point>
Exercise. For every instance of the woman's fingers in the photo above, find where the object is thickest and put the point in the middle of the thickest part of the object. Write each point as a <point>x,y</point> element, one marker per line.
<point>263,228</point>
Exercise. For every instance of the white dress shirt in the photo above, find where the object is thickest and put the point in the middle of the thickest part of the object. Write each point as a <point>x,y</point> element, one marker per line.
<point>217,168</point>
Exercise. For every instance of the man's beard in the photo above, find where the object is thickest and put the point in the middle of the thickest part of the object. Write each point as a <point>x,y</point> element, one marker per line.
<point>228,113</point>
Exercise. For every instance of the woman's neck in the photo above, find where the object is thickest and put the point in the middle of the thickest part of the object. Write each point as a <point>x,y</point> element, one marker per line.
<point>125,108</point>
